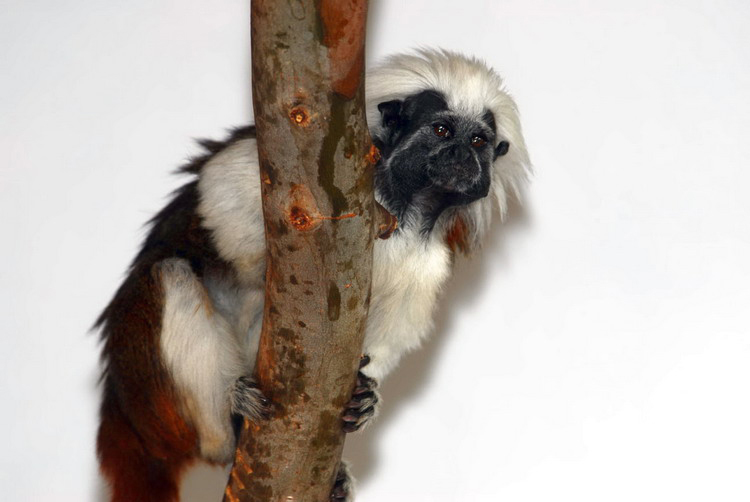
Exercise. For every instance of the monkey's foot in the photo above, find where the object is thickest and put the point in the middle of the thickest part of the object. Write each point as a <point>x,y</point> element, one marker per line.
<point>343,488</point>
<point>363,405</point>
<point>248,400</point>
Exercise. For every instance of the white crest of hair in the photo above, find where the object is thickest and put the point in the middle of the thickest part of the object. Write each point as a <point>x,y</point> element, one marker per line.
<point>470,88</point>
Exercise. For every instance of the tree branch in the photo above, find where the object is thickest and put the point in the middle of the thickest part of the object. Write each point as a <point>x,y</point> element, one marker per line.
<point>316,175</point>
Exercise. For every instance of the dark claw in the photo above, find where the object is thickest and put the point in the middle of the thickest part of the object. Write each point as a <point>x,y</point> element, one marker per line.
<point>354,414</point>
<point>338,493</point>
<point>341,491</point>
<point>364,361</point>
<point>350,428</point>
<point>358,398</point>
<point>361,407</point>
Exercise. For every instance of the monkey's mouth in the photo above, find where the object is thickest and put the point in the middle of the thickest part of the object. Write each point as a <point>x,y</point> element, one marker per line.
<point>455,181</point>
<point>475,192</point>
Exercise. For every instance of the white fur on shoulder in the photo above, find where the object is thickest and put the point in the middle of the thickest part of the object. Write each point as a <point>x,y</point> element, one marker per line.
<point>231,208</point>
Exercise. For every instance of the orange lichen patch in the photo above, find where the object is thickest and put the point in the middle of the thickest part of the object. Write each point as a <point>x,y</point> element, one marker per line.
<point>347,85</point>
<point>457,236</point>
<point>242,462</point>
<point>341,217</point>
<point>300,116</point>
<point>237,480</point>
<point>265,368</point>
<point>344,28</point>
<point>373,156</point>
<point>229,495</point>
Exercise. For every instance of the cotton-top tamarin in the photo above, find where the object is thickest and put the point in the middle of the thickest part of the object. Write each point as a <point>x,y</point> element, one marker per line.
<point>181,333</point>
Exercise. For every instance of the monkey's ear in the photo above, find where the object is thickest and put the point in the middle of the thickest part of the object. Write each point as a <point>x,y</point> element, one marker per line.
<point>390,114</point>
<point>501,149</point>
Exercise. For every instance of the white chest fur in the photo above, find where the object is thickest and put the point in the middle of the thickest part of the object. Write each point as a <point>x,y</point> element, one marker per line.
<point>408,272</point>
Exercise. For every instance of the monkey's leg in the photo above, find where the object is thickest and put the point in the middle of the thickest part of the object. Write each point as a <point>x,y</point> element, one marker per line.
<point>206,361</point>
<point>363,405</point>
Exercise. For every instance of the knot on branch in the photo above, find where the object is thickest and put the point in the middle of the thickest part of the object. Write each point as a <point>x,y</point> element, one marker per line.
<point>299,218</point>
<point>303,211</point>
<point>300,116</point>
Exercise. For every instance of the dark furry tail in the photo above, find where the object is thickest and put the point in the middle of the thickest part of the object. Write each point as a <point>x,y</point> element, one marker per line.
<point>133,471</point>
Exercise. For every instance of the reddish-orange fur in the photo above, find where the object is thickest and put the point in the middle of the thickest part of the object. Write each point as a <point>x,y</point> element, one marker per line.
<point>457,236</point>
<point>144,443</point>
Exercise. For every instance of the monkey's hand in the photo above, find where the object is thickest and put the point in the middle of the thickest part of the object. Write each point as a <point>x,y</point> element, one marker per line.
<point>248,401</point>
<point>363,405</point>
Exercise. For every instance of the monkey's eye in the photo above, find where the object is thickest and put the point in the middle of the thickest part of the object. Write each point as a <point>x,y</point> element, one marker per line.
<point>478,141</point>
<point>441,130</point>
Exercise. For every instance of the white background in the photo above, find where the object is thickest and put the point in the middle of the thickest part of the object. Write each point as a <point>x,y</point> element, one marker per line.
<point>596,350</point>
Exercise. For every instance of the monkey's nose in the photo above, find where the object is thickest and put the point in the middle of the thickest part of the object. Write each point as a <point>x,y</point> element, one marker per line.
<point>459,155</point>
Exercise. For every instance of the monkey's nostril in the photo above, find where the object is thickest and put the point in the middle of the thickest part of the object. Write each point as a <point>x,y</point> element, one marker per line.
<point>459,155</point>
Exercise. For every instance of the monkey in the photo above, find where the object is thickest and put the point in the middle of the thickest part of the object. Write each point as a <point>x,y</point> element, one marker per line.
<point>180,335</point>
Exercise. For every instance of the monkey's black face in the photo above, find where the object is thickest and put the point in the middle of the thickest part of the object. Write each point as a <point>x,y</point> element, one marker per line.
<point>434,154</point>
